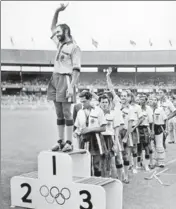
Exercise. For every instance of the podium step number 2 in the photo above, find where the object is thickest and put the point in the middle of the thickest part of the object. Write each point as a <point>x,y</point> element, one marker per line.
<point>55,185</point>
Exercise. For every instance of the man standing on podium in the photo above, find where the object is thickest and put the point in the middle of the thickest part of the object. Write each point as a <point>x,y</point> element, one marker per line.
<point>61,87</point>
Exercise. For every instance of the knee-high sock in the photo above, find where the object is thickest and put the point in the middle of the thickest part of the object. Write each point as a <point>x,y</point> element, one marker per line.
<point>135,161</point>
<point>61,128</point>
<point>131,160</point>
<point>126,168</point>
<point>69,129</point>
<point>160,151</point>
<point>171,136</point>
<point>174,133</point>
<point>119,171</point>
<point>113,168</point>
<point>146,161</point>
<point>139,161</point>
<point>151,154</point>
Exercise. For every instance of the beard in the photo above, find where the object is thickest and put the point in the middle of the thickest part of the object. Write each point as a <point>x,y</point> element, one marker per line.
<point>61,38</point>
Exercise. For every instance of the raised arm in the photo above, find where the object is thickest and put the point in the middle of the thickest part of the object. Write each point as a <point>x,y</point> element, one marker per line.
<point>108,79</point>
<point>171,115</point>
<point>91,89</point>
<point>111,87</point>
<point>56,14</point>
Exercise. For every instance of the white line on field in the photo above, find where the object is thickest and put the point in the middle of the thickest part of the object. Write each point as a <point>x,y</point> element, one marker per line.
<point>171,161</point>
<point>162,171</point>
<point>170,174</point>
<point>168,163</point>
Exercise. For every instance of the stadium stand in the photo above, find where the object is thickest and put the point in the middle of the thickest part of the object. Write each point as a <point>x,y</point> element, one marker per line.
<point>26,73</point>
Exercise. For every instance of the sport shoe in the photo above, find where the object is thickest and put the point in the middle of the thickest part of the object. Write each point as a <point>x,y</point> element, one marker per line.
<point>171,142</point>
<point>58,147</point>
<point>126,181</point>
<point>151,166</point>
<point>134,170</point>
<point>67,147</point>
<point>130,168</point>
<point>146,168</point>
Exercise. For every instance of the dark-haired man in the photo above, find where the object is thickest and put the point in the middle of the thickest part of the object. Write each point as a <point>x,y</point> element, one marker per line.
<point>90,122</point>
<point>111,136</point>
<point>145,129</point>
<point>170,111</point>
<point>160,123</point>
<point>137,113</point>
<point>125,136</point>
<point>61,88</point>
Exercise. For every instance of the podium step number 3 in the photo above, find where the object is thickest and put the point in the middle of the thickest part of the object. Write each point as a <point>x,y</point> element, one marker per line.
<point>55,185</point>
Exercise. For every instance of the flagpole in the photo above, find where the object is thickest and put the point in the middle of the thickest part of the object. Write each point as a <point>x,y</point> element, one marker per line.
<point>170,43</point>
<point>32,39</point>
<point>94,43</point>
<point>150,43</point>
<point>92,47</point>
<point>11,41</point>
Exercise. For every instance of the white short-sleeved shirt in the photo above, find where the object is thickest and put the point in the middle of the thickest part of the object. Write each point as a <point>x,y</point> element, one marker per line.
<point>148,116</point>
<point>68,56</point>
<point>167,106</point>
<point>137,111</point>
<point>114,119</point>
<point>159,116</point>
<point>96,118</point>
<point>128,115</point>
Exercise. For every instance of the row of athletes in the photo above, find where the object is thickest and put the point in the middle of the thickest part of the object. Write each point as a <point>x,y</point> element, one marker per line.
<point>121,132</point>
<point>117,130</point>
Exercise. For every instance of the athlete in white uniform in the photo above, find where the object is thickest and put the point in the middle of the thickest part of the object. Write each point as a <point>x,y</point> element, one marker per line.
<point>160,119</point>
<point>138,116</point>
<point>111,136</point>
<point>90,122</point>
<point>170,111</point>
<point>144,132</point>
<point>125,136</point>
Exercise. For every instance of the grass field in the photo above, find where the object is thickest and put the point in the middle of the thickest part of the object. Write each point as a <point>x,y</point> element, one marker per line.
<point>24,133</point>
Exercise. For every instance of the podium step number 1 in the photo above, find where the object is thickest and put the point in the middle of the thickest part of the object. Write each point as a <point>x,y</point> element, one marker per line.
<point>57,185</point>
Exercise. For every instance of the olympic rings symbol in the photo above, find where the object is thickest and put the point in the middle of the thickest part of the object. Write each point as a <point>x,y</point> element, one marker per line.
<point>55,195</point>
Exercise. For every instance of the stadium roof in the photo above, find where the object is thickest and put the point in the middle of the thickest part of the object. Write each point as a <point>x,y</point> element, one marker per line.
<point>91,58</point>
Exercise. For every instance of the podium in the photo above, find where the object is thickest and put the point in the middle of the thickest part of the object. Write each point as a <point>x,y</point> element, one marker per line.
<point>63,181</point>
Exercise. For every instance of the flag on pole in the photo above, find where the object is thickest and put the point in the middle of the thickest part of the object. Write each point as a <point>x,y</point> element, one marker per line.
<point>11,40</point>
<point>95,43</point>
<point>132,43</point>
<point>32,39</point>
<point>151,44</point>
<point>170,42</point>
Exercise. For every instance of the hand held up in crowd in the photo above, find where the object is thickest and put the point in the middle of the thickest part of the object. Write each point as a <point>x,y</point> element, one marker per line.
<point>109,71</point>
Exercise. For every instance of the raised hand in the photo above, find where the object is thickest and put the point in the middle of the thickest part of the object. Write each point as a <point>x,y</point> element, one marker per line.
<point>91,88</point>
<point>109,71</point>
<point>55,18</point>
<point>62,7</point>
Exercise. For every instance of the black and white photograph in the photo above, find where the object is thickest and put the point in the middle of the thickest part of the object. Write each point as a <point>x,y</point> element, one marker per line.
<point>88,105</point>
